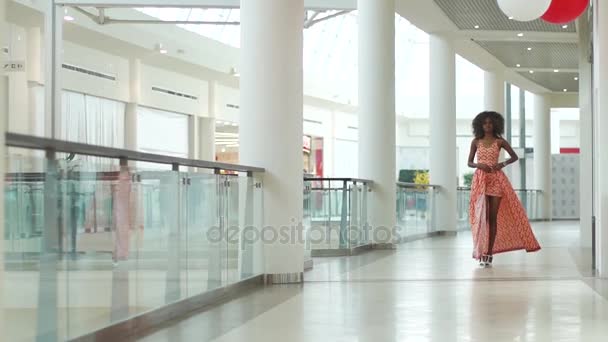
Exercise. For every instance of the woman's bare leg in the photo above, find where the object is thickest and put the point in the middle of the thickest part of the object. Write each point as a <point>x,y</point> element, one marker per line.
<point>494,206</point>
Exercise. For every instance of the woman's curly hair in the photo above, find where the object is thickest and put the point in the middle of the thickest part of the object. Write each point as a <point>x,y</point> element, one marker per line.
<point>498,122</point>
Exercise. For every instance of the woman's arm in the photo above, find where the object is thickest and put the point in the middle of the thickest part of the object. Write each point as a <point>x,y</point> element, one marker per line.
<point>504,144</point>
<point>472,163</point>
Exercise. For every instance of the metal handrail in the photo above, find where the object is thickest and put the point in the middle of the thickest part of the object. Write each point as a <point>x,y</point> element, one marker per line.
<point>354,180</point>
<point>46,144</point>
<point>417,186</point>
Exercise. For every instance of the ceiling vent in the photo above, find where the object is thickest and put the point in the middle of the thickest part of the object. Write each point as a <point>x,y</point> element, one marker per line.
<point>89,72</point>
<point>174,93</point>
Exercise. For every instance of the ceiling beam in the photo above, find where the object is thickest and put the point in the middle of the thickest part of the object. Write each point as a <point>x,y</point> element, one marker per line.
<point>512,36</point>
<point>548,70</point>
<point>309,4</point>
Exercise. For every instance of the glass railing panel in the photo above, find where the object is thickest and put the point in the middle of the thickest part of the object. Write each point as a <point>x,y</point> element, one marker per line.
<point>33,263</point>
<point>235,211</point>
<point>96,226</point>
<point>162,278</point>
<point>204,237</point>
<point>307,216</point>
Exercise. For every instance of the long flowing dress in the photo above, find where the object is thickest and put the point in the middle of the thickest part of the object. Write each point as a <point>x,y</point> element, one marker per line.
<point>513,229</point>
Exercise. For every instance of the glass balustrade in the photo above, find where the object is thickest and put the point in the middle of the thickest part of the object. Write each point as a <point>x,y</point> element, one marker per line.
<point>335,212</point>
<point>415,209</point>
<point>89,242</point>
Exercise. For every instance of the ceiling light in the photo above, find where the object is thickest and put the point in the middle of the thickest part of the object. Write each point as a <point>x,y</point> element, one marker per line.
<point>529,49</point>
<point>518,65</point>
<point>511,18</point>
<point>520,34</point>
<point>531,71</point>
<point>476,26</point>
<point>565,26</point>
<point>555,70</point>
<point>576,78</point>
<point>66,16</point>
<point>161,49</point>
<point>565,90</point>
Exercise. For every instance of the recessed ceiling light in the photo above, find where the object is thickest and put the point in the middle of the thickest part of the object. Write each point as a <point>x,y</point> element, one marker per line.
<point>576,78</point>
<point>476,26</point>
<point>531,71</point>
<point>565,26</point>
<point>520,34</point>
<point>511,18</point>
<point>555,70</point>
<point>565,90</point>
<point>529,49</point>
<point>518,65</point>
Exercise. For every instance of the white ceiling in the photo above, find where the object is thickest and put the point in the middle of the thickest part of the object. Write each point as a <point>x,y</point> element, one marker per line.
<point>543,47</point>
<point>448,17</point>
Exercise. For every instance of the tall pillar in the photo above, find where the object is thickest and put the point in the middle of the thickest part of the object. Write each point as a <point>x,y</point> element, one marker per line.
<point>131,111</point>
<point>34,78</point>
<point>53,42</point>
<point>206,133</point>
<point>494,91</point>
<point>600,61</point>
<point>443,130</point>
<point>206,126</point>
<point>271,123</point>
<point>586,133</point>
<point>542,152</point>
<point>377,114</point>
<point>4,110</point>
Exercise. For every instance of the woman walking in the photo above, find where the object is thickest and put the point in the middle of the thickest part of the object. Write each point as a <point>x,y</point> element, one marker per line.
<point>498,220</point>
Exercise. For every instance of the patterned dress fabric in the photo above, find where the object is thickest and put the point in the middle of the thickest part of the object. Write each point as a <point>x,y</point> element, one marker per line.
<point>513,231</point>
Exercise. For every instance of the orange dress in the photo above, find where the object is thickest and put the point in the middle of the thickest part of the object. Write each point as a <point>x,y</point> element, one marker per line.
<point>513,231</point>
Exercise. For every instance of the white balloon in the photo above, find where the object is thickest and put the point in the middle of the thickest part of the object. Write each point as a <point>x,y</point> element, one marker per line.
<point>524,10</point>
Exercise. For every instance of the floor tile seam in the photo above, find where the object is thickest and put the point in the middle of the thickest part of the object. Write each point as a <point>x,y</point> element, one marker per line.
<point>175,321</point>
<point>444,280</point>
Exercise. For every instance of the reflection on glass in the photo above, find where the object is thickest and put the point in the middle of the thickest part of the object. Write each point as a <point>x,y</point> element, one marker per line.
<point>90,242</point>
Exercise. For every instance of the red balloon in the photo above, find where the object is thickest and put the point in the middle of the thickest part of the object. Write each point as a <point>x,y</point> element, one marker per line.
<point>565,11</point>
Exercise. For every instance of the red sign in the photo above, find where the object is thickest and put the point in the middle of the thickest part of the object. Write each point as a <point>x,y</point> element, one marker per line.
<point>570,150</point>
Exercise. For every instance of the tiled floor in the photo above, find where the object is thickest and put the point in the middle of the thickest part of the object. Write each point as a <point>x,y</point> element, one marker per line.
<point>429,290</point>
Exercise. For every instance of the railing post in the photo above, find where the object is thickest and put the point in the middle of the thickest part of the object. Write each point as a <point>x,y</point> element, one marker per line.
<point>344,217</point>
<point>49,254</point>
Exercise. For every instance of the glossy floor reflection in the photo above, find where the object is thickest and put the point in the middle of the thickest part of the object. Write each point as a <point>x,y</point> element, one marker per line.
<point>429,290</point>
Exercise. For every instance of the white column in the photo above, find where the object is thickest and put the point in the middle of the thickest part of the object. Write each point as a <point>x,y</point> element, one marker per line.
<point>494,91</point>
<point>443,130</point>
<point>206,126</point>
<point>600,61</point>
<point>35,80</point>
<point>377,113</point>
<point>53,42</point>
<point>206,135</point>
<point>271,121</point>
<point>586,135</point>
<point>18,112</point>
<point>3,110</point>
<point>542,153</point>
<point>131,111</point>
